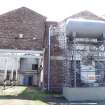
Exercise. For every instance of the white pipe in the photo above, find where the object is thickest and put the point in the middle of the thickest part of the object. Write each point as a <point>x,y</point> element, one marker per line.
<point>49,68</point>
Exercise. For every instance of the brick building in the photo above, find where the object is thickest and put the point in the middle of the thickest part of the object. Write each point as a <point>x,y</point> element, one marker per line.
<point>24,41</point>
<point>21,43</point>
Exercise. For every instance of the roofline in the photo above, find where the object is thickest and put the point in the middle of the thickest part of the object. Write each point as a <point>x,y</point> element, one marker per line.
<point>70,17</point>
<point>21,8</point>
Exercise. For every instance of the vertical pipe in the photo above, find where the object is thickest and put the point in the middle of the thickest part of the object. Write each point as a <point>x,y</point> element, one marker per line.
<point>43,67</point>
<point>49,68</point>
<point>74,58</point>
<point>38,74</point>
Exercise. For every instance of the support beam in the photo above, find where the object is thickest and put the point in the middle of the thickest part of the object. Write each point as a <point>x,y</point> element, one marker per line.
<point>21,51</point>
<point>5,73</point>
<point>12,74</point>
<point>16,75</point>
<point>22,56</point>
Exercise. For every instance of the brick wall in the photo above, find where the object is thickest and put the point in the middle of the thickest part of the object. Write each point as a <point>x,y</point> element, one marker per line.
<point>56,79</point>
<point>22,21</point>
<point>32,25</point>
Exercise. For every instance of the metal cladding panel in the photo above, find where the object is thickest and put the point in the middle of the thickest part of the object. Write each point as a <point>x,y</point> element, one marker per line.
<point>91,28</point>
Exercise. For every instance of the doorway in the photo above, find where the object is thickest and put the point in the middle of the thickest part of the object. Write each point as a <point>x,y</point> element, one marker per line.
<point>28,80</point>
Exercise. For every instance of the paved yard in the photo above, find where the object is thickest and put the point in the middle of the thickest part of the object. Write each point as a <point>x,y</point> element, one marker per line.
<point>21,95</point>
<point>20,102</point>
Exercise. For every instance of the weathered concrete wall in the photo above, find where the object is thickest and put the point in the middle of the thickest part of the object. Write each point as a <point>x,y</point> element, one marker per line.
<point>83,94</point>
<point>20,79</point>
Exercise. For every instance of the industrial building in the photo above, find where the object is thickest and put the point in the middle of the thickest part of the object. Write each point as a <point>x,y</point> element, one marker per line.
<point>77,53</point>
<point>66,56</point>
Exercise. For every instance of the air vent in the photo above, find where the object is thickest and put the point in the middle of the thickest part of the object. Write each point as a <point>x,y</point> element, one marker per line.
<point>34,38</point>
<point>21,35</point>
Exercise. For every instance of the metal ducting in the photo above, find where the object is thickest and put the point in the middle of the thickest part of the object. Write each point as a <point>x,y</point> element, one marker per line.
<point>84,28</point>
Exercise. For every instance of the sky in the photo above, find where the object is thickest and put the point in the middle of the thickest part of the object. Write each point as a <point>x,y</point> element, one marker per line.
<point>55,10</point>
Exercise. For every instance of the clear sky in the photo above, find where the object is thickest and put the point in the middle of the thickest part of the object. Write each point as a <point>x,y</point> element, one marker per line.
<point>55,9</point>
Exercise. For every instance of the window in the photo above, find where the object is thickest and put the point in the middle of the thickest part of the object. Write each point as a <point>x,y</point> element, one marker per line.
<point>34,66</point>
<point>21,35</point>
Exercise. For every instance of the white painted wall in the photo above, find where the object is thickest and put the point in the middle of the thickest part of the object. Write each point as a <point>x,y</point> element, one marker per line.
<point>10,63</point>
<point>35,79</point>
<point>20,79</point>
<point>26,63</point>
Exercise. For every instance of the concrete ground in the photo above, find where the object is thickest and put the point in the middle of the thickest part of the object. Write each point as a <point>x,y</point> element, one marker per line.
<point>75,103</point>
<point>20,95</point>
<point>63,101</point>
<point>20,102</point>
